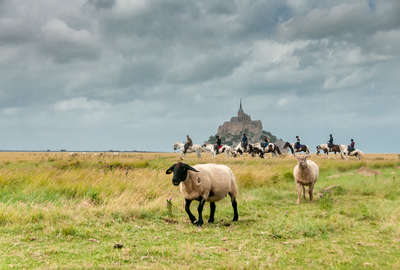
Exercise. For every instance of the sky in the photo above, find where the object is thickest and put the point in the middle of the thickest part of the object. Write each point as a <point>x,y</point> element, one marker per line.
<point>141,74</point>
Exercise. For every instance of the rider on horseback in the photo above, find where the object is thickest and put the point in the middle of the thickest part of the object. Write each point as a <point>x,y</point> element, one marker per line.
<point>330,142</point>
<point>297,145</point>
<point>188,144</point>
<point>244,141</point>
<point>218,145</point>
<point>265,142</point>
<point>351,147</point>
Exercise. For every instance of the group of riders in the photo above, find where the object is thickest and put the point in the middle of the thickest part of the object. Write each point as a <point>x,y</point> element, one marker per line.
<point>350,147</point>
<point>245,142</point>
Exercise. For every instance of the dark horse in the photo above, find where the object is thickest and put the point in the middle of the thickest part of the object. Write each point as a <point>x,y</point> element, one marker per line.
<point>303,148</point>
<point>255,150</point>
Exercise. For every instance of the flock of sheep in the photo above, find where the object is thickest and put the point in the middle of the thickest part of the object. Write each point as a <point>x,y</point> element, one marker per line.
<point>213,182</point>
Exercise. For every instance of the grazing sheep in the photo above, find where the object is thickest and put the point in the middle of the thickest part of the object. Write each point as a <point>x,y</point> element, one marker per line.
<point>305,174</point>
<point>204,182</point>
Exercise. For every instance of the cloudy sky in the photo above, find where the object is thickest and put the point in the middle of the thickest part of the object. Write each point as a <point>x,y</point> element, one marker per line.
<point>141,74</point>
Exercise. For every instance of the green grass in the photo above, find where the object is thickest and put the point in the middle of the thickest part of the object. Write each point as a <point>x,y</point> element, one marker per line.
<point>58,212</point>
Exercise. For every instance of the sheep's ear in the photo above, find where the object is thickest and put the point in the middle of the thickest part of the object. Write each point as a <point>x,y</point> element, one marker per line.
<point>170,170</point>
<point>191,168</point>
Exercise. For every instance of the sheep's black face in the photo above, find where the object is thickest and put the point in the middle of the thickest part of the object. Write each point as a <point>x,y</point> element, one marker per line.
<point>180,171</point>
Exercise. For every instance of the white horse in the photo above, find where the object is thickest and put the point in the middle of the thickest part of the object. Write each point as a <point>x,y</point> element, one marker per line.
<point>355,153</point>
<point>336,148</point>
<point>195,148</point>
<point>211,149</point>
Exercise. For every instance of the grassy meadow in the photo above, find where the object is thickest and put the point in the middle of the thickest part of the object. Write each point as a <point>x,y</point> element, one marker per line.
<point>63,212</point>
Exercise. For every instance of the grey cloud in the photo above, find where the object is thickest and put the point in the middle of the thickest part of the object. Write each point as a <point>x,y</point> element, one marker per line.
<point>106,4</point>
<point>352,19</point>
<point>14,31</point>
<point>65,44</point>
<point>113,74</point>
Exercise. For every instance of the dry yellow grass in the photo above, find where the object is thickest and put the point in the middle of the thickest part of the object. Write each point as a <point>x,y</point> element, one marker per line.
<point>77,208</point>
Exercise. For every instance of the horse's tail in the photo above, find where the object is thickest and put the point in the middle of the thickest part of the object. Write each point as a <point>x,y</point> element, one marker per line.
<point>278,150</point>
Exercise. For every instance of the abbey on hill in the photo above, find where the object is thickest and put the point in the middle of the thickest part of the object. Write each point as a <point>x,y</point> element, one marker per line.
<point>231,131</point>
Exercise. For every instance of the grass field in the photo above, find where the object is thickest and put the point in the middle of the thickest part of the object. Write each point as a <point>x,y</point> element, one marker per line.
<point>62,212</point>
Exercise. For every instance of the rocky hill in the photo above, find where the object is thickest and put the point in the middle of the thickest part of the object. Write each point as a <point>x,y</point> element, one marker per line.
<point>231,131</point>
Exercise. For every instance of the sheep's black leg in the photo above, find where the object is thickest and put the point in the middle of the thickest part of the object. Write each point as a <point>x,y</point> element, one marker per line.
<point>235,211</point>
<point>187,209</point>
<point>199,221</point>
<point>212,212</point>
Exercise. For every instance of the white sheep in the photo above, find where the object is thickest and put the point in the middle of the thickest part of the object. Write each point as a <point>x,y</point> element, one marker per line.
<point>205,182</point>
<point>305,174</point>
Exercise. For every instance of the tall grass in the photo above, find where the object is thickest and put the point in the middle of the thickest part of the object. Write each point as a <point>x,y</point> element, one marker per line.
<point>61,202</point>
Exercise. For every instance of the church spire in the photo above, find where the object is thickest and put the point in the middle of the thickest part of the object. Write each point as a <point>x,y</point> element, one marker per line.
<point>241,108</point>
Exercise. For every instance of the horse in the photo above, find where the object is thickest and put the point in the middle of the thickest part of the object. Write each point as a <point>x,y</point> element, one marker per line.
<point>195,148</point>
<point>303,148</point>
<point>272,148</point>
<point>211,149</point>
<point>240,150</point>
<point>336,148</point>
<point>355,153</point>
<point>256,149</point>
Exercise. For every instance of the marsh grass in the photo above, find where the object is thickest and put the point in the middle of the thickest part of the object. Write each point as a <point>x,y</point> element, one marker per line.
<point>63,212</point>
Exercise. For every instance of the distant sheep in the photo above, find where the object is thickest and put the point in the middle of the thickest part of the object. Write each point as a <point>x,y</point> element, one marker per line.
<point>305,174</point>
<point>204,182</point>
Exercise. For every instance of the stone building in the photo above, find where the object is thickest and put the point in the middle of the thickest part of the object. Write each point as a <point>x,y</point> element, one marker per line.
<point>232,131</point>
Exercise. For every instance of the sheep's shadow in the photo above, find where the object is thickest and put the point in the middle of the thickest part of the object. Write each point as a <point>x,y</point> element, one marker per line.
<point>227,223</point>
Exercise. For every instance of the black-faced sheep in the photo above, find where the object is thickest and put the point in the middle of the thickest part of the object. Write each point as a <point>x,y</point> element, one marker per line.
<point>204,182</point>
<point>305,174</point>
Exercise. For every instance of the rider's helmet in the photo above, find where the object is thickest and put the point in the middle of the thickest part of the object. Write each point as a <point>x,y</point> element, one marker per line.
<point>352,140</point>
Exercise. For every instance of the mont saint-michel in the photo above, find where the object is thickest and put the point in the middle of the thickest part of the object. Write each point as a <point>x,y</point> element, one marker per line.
<point>231,131</point>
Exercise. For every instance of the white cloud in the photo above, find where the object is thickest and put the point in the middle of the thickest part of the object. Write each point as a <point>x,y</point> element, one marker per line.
<point>11,111</point>
<point>81,103</point>
<point>126,8</point>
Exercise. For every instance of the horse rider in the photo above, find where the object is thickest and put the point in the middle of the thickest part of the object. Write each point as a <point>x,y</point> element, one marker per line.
<point>297,145</point>
<point>351,147</point>
<point>219,144</point>
<point>244,141</point>
<point>265,142</point>
<point>330,142</point>
<point>188,143</point>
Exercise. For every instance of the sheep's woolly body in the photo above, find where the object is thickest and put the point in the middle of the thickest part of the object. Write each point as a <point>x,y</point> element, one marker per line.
<point>308,175</point>
<point>305,174</point>
<point>213,182</point>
